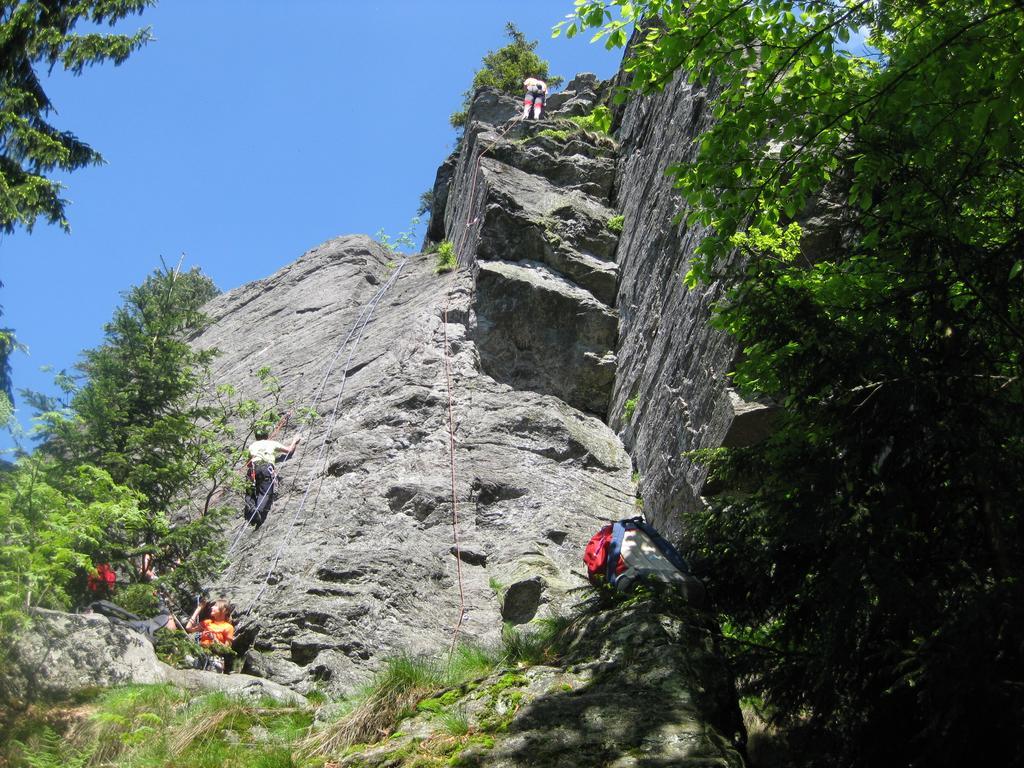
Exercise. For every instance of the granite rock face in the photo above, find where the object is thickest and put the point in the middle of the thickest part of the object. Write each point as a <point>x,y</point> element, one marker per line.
<point>671,363</point>
<point>357,560</point>
<point>552,323</point>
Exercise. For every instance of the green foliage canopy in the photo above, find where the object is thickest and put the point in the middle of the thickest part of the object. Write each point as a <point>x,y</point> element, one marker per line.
<point>877,547</point>
<point>506,69</point>
<point>136,413</point>
<point>41,35</point>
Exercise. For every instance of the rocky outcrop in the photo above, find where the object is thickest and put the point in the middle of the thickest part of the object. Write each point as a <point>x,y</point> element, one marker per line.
<point>62,654</point>
<point>550,327</point>
<point>531,218</point>
<point>637,686</point>
<point>356,561</point>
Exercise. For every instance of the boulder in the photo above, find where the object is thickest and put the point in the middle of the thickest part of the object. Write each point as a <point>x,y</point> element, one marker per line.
<point>525,218</point>
<point>643,685</point>
<point>63,654</point>
<point>574,161</point>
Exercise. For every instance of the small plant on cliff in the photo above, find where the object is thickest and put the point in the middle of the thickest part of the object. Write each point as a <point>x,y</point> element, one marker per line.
<point>540,644</point>
<point>598,120</point>
<point>628,409</point>
<point>403,242</point>
<point>554,134</point>
<point>395,691</point>
<point>446,257</point>
<point>615,223</point>
<point>506,69</point>
<point>426,203</point>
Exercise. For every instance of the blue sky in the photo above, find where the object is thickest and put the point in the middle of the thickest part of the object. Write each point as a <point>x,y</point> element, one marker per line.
<point>247,133</point>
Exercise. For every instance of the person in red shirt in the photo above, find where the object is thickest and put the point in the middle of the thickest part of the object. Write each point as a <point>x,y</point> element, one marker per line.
<point>102,583</point>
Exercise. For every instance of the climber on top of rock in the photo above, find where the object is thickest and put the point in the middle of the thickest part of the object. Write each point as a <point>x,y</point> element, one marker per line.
<point>263,453</point>
<point>536,91</point>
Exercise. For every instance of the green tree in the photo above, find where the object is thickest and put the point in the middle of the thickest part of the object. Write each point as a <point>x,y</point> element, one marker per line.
<point>145,414</point>
<point>38,35</point>
<point>506,69</point>
<point>876,554</point>
<point>8,343</point>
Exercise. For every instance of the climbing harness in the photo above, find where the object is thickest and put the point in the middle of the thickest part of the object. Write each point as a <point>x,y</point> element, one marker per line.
<point>249,473</point>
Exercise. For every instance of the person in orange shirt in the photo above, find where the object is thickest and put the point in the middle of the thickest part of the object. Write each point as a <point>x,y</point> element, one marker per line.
<point>210,623</point>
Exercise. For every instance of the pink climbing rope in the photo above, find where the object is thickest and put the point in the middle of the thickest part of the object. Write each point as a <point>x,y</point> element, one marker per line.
<point>455,506</point>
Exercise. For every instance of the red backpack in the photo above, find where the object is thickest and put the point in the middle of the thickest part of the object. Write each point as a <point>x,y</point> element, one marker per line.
<point>596,557</point>
<point>103,581</point>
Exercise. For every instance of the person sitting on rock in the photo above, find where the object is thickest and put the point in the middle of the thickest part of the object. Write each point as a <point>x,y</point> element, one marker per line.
<point>263,453</point>
<point>211,627</point>
<point>536,91</point>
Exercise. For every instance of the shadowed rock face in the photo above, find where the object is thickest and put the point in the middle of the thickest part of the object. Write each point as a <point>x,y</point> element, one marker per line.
<point>643,685</point>
<point>671,363</point>
<point>366,564</point>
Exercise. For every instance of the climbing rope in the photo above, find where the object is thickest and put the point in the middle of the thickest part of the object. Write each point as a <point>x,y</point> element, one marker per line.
<point>247,521</point>
<point>461,240</point>
<point>367,314</point>
<point>359,324</point>
<point>455,506</point>
<point>458,246</point>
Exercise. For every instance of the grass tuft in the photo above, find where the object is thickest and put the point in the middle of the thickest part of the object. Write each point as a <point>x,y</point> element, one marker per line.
<point>394,692</point>
<point>470,662</point>
<point>541,645</point>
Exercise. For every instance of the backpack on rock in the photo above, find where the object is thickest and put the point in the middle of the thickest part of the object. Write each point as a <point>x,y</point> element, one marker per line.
<point>630,551</point>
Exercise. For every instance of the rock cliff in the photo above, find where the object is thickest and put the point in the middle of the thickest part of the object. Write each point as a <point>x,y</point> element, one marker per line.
<point>356,560</point>
<point>470,431</point>
<point>532,350</point>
